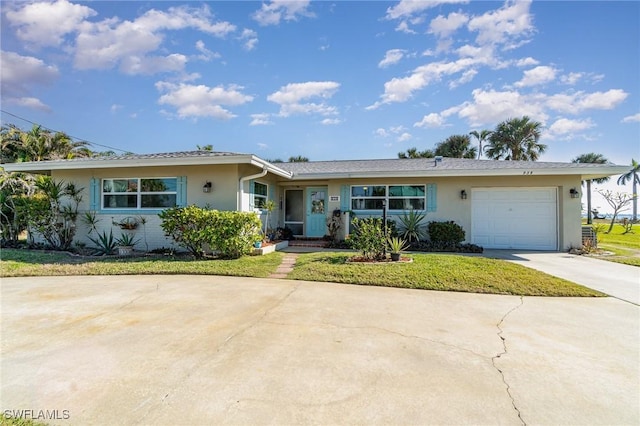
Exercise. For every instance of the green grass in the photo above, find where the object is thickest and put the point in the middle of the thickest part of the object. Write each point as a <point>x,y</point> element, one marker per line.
<point>616,237</point>
<point>438,272</point>
<point>10,421</point>
<point>24,263</point>
<point>625,247</point>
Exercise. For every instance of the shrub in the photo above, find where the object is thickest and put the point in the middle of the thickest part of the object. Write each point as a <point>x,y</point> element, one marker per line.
<point>187,227</point>
<point>232,234</point>
<point>369,237</point>
<point>445,233</point>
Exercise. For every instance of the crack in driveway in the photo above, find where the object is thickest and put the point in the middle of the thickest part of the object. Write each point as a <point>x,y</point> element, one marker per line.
<point>504,352</point>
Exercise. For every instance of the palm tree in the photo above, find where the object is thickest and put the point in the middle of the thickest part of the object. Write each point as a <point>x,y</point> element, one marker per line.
<point>516,139</point>
<point>40,144</point>
<point>632,175</point>
<point>591,158</point>
<point>298,159</point>
<point>481,137</point>
<point>414,153</point>
<point>456,146</point>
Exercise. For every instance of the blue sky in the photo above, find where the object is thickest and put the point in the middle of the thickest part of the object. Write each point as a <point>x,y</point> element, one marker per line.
<point>327,79</point>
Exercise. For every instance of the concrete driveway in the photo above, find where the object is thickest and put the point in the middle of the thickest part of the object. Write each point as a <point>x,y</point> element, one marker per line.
<point>215,350</point>
<point>615,279</point>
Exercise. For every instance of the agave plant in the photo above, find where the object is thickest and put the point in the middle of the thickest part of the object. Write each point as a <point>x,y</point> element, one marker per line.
<point>411,225</point>
<point>396,244</point>
<point>105,244</point>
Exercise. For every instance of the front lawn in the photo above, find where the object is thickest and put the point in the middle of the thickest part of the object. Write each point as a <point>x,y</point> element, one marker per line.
<point>438,272</point>
<point>619,247</point>
<point>24,263</point>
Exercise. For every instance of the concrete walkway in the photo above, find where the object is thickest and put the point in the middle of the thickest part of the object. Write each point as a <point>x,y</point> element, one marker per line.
<point>147,350</point>
<point>286,266</point>
<point>615,279</point>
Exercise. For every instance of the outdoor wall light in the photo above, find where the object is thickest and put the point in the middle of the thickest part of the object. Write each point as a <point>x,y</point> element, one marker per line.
<point>463,194</point>
<point>206,188</point>
<point>574,193</point>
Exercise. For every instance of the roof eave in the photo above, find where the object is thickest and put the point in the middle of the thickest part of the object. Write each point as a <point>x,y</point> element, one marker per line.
<point>48,166</point>
<point>601,172</point>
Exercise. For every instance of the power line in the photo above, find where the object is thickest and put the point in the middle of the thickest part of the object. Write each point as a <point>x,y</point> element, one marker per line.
<point>56,131</point>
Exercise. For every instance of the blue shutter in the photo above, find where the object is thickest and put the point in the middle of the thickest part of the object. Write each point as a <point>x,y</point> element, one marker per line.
<point>94,194</point>
<point>345,203</point>
<point>272,192</point>
<point>431,197</point>
<point>252,190</point>
<point>181,191</point>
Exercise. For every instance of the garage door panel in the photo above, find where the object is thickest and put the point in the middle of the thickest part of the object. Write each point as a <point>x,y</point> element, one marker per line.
<point>514,218</point>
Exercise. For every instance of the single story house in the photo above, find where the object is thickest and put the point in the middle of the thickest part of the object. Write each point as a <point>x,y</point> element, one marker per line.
<point>500,204</point>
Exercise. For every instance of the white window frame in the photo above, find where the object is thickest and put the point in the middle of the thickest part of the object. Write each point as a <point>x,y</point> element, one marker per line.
<point>139,193</point>
<point>255,196</point>
<point>386,197</point>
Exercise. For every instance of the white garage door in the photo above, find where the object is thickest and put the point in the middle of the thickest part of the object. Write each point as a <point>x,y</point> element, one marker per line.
<point>514,218</point>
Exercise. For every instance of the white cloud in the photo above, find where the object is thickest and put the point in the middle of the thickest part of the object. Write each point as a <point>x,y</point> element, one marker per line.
<point>130,44</point>
<point>250,39</point>
<point>431,120</point>
<point>491,107</point>
<point>445,26</point>
<point>526,62</point>
<point>401,89</point>
<point>46,23</point>
<point>632,118</point>
<point>115,108</point>
<point>201,101</point>
<point>205,54</point>
<point>391,57</point>
<point>466,77</point>
<point>509,26</point>
<point>260,120</point>
<point>292,96</point>
<point>536,76</point>
<point>277,10</point>
<point>571,78</point>
<point>407,8</point>
<point>404,137</point>
<point>577,102</point>
<point>331,121</point>
<point>262,146</point>
<point>20,75</point>
<point>403,27</point>
<point>564,126</point>
<point>381,132</point>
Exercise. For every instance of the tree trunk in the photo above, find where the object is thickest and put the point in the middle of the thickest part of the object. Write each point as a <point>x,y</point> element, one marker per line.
<point>635,197</point>
<point>589,215</point>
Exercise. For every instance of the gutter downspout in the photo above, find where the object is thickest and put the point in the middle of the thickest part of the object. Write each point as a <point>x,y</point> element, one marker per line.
<point>241,186</point>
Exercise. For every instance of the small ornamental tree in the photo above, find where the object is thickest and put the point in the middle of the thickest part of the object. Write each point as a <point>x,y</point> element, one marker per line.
<point>369,237</point>
<point>56,222</point>
<point>618,202</point>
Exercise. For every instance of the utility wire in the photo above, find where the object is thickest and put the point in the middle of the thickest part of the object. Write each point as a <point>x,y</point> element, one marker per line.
<point>56,131</point>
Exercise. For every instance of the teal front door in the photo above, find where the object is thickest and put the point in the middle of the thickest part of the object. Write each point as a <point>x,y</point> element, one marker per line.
<point>316,222</point>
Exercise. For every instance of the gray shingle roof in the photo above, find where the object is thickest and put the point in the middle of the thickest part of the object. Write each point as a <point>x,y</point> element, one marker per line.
<point>428,166</point>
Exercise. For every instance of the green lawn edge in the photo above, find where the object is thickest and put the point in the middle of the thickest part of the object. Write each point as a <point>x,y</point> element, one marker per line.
<point>29,263</point>
<point>443,272</point>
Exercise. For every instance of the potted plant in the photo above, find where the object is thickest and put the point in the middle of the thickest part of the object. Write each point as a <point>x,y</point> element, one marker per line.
<point>396,245</point>
<point>125,243</point>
